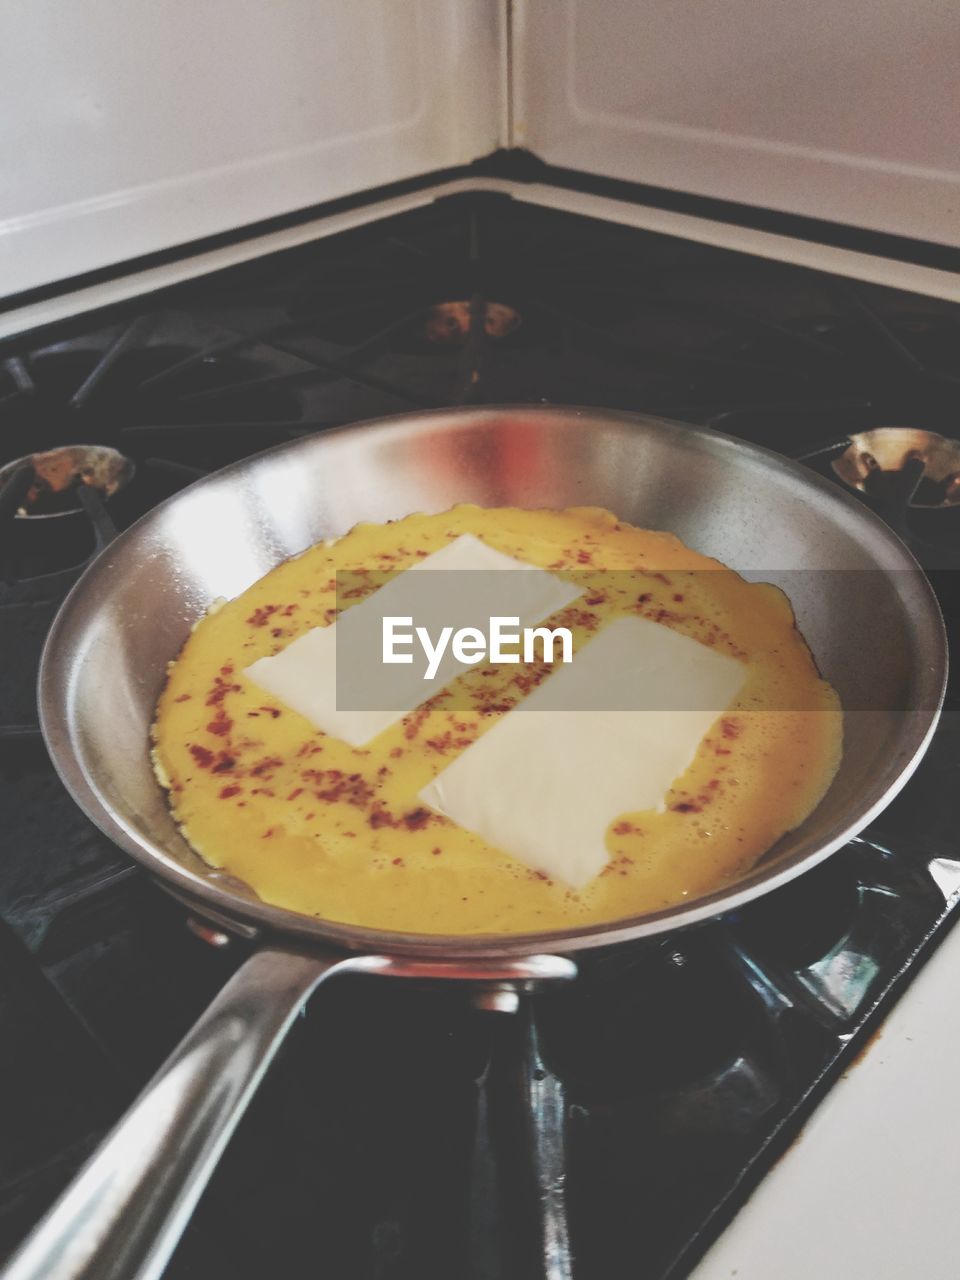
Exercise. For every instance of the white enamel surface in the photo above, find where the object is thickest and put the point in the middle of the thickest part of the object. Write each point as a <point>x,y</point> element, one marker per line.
<point>129,128</point>
<point>478,584</point>
<point>134,128</point>
<point>628,714</point>
<point>842,112</point>
<point>843,262</point>
<point>869,1191</point>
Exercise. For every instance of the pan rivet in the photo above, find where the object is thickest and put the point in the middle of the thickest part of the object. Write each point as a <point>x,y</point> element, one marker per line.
<point>498,998</point>
<point>207,933</point>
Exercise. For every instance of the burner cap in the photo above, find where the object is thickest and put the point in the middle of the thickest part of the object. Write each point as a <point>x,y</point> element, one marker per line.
<point>448,323</point>
<point>56,473</point>
<point>890,449</point>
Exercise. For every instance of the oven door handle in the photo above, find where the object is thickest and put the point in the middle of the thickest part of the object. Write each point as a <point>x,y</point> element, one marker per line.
<point>128,1207</point>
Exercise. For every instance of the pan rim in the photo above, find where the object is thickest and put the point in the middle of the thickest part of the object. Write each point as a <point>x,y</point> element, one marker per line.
<point>268,920</point>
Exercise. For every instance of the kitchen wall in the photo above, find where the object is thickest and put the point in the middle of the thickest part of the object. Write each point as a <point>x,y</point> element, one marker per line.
<point>127,127</point>
<point>132,125</point>
<point>846,111</point>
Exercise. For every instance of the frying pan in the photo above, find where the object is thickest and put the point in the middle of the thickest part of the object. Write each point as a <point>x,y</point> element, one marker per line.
<point>862,603</point>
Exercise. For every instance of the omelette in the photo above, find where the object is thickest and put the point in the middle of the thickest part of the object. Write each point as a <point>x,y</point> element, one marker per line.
<point>341,832</point>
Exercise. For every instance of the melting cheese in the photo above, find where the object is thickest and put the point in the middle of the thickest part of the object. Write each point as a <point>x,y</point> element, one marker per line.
<point>547,780</point>
<point>366,696</point>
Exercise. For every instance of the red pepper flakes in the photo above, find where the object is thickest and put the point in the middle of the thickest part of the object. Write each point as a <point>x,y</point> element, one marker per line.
<point>600,598</point>
<point>722,751</point>
<point>645,598</point>
<point>730,728</point>
<point>581,618</point>
<point>624,828</point>
<point>698,803</point>
<point>416,819</point>
<point>277,632</point>
<point>297,791</point>
<point>334,785</point>
<point>526,681</point>
<point>539,875</point>
<point>226,792</point>
<point>678,598</point>
<point>260,617</point>
<point>399,862</point>
<point>584,557</point>
<point>268,833</point>
<point>396,753</point>
<point>220,689</point>
<point>263,767</point>
<point>436,852</point>
<point>221,724</point>
<point>446,742</point>
<point>202,755</point>
<point>273,712</point>
<point>224,763</point>
<point>413,723</point>
<point>494,708</point>
<point>184,697</point>
<point>660,577</point>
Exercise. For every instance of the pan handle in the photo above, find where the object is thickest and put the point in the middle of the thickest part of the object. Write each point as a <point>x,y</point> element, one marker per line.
<point>129,1205</point>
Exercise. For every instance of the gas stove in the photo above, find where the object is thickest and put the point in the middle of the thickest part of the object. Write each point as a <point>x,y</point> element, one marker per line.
<point>382,1143</point>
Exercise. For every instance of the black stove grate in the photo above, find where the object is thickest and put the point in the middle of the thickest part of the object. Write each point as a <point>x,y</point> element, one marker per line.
<point>682,1066</point>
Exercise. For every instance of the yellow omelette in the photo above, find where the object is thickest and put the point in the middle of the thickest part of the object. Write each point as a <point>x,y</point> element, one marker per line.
<point>317,826</point>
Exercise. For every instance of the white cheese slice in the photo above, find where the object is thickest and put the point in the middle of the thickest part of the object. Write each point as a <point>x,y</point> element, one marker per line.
<point>369,695</point>
<point>547,780</point>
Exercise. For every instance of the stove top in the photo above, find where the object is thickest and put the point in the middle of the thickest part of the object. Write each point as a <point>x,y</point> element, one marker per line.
<point>386,1139</point>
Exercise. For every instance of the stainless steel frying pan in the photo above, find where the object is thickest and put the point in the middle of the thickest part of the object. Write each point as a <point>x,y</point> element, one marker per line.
<point>865,608</point>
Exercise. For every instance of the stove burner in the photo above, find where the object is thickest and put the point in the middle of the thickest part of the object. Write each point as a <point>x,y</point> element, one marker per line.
<point>449,323</point>
<point>893,449</point>
<point>46,482</point>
